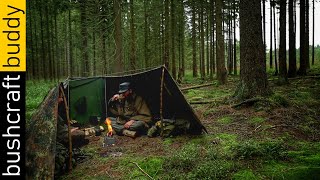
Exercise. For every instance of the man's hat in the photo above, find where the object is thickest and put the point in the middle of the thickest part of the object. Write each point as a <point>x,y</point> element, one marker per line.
<point>123,87</point>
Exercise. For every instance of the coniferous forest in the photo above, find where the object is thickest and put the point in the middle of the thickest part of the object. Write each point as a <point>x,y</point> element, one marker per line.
<point>250,69</point>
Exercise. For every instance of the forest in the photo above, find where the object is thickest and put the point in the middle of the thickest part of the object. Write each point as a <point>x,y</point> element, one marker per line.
<point>250,76</point>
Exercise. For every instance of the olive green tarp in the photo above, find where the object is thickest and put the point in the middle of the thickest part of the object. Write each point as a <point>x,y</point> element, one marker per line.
<point>87,98</point>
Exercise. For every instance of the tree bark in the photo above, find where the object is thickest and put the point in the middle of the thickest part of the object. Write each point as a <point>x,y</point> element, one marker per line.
<point>271,43</point>
<point>221,69</point>
<point>313,32</point>
<point>202,47</point>
<point>146,35</point>
<point>133,38</point>
<point>292,42</point>
<point>307,36</point>
<point>70,57</point>
<point>264,22</point>
<point>283,76</point>
<point>253,76</point>
<point>235,71</point>
<point>43,46</point>
<point>85,71</point>
<point>212,56</point>
<point>173,54</point>
<point>119,66</point>
<point>194,41</point>
<point>166,34</point>
<point>303,62</point>
<point>275,39</point>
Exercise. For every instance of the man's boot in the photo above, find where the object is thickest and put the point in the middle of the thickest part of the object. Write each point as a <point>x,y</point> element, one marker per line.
<point>129,133</point>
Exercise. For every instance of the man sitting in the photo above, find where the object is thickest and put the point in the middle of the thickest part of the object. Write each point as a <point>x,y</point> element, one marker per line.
<point>130,110</point>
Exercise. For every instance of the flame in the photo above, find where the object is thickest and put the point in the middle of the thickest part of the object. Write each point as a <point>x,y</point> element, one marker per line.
<point>108,123</point>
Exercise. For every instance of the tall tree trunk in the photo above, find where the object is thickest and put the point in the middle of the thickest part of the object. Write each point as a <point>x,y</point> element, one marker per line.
<point>292,42</point>
<point>221,69</point>
<point>94,53</point>
<point>303,62</point>
<point>283,76</point>
<point>85,71</point>
<point>264,21</point>
<point>166,34</point>
<point>194,41</point>
<point>230,59</point>
<point>212,61</point>
<point>271,43</point>
<point>133,38</point>
<point>70,58</point>
<point>54,74</point>
<point>173,54</point>
<point>182,38</point>
<point>253,76</point>
<point>48,42</point>
<point>37,53</point>
<point>307,36</point>
<point>119,66</point>
<point>201,21</point>
<point>275,40</point>
<point>43,46</point>
<point>313,32</point>
<point>235,40</point>
<point>207,42</point>
<point>104,51</point>
<point>56,44</point>
<point>146,35</point>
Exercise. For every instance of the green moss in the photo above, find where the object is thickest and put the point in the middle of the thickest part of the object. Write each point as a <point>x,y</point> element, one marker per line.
<point>279,100</point>
<point>228,142</point>
<point>215,169</point>
<point>256,120</point>
<point>151,165</point>
<point>245,175</point>
<point>225,120</point>
<point>280,170</point>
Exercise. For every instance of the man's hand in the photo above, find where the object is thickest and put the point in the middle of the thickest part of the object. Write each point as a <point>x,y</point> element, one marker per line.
<point>115,97</point>
<point>128,124</point>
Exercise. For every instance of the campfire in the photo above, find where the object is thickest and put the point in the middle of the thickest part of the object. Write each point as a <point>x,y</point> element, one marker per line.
<point>108,123</point>
<point>109,140</point>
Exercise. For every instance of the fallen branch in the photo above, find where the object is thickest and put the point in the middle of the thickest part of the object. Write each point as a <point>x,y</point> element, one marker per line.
<point>142,170</point>
<point>198,86</point>
<point>257,128</point>
<point>248,101</point>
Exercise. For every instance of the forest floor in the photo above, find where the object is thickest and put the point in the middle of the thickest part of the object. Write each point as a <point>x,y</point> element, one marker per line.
<point>275,138</point>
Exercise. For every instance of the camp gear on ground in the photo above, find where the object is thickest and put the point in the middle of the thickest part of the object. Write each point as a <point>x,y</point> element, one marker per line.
<point>123,87</point>
<point>170,127</point>
<point>108,140</point>
<point>93,131</point>
<point>153,131</point>
<point>129,133</point>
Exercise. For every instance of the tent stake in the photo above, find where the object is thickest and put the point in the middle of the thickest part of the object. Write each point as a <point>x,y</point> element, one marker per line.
<point>161,103</point>
<point>69,129</point>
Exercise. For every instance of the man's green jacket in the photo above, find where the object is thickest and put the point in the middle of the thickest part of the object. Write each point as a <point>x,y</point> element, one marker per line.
<point>133,108</point>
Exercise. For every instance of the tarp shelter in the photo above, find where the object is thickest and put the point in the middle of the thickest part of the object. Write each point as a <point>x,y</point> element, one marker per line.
<point>88,97</point>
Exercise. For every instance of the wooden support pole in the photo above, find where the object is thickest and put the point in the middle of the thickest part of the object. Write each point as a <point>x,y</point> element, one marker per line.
<point>69,127</point>
<point>161,102</point>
